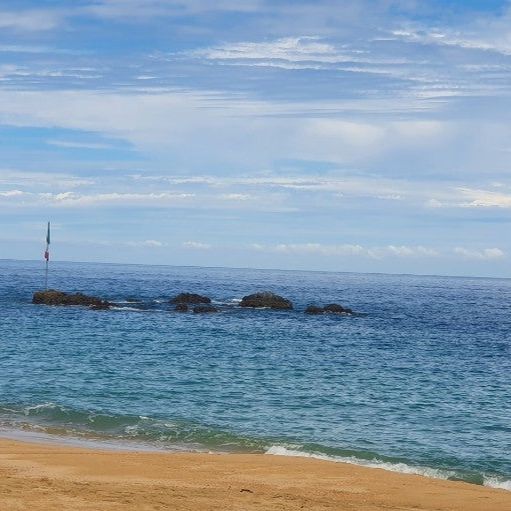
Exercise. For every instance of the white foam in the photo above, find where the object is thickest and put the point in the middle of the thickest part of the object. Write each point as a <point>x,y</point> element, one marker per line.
<point>495,482</point>
<point>42,406</point>
<point>403,468</point>
<point>125,309</point>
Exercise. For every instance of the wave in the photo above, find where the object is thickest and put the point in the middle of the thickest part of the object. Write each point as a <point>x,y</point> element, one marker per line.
<point>166,433</point>
<point>497,482</point>
<point>403,468</point>
<point>278,450</point>
<point>163,433</point>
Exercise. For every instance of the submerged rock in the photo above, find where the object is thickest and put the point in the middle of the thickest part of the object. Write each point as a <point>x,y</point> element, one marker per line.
<point>266,299</point>
<point>204,309</point>
<point>335,308</point>
<point>54,297</point>
<point>181,307</point>
<point>190,298</point>
<point>313,309</point>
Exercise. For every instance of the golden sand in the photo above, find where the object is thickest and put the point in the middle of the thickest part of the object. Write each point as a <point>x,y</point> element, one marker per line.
<point>36,477</point>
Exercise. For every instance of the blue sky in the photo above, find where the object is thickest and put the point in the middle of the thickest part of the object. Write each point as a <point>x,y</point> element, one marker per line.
<point>327,135</point>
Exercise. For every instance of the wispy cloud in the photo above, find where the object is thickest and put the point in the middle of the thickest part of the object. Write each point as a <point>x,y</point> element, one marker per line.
<point>67,144</point>
<point>31,181</point>
<point>484,254</point>
<point>348,250</point>
<point>143,9</point>
<point>290,49</point>
<point>34,20</point>
<point>485,198</point>
<point>146,244</point>
<point>196,245</point>
<point>12,193</point>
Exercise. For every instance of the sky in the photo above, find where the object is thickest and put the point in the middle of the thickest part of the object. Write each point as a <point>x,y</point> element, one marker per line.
<point>339,135</point>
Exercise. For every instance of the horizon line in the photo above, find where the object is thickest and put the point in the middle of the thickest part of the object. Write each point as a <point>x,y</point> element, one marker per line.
<point>266,269</point>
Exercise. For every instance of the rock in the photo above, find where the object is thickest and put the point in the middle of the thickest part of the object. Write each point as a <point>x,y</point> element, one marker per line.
<point>204,309</point>
<point>266,299</point>
<point>313,309</point>
<point>181,307</point>
<point>190,298</point>
<point>54,297</point>
<point>335,308</point>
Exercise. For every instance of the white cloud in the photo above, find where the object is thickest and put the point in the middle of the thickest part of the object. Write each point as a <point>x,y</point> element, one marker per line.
<point>11,193</point>
<point>30,20</point>
<point>196,245</point>
<point>485,198</point>
<point>41,180</point>
<point>348,250</point>
<point>74,199</point>
<point>292,49</point>
<point>142,9</point>
<point>473,37</point>
<point>484,254</point>
<point>77,199</point>
<point>235,196</point>
<point>307,53</point>
<point>262,132</point>
<point>66,144</point>
<point>146,243</point>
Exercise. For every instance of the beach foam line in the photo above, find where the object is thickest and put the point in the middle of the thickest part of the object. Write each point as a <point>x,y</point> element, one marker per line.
<point>403,468</point>
<point>495,482</point>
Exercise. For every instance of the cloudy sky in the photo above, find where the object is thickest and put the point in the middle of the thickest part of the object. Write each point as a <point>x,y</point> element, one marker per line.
<point>346,135</point>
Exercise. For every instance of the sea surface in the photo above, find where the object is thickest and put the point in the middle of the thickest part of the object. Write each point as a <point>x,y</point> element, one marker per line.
<point>420,382</point>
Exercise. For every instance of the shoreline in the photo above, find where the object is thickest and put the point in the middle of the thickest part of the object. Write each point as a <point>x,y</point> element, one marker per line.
<point>98,443</point>
<point>43,475</point>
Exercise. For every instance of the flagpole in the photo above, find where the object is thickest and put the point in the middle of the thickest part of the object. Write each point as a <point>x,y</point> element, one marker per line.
<point>47,257</point>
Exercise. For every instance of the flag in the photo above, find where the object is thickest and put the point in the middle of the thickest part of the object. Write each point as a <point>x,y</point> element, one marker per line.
<point>47,251</point>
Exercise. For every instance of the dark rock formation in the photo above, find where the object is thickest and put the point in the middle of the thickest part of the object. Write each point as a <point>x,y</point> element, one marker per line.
<point>266,299</point>
<point>204,309</point>
<point>181,307</point>
<point>335,308</point>
<point>54,297</point>
<point>190,298</point>
<point>313,309</point>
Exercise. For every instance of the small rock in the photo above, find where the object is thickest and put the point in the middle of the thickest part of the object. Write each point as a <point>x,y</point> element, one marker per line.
<point>203,309</point>
<point>190,298</point>
<point>266,299</point>
<point>181,307</point>
<point>54,297</point>
<point>313,309</point>
<point>335,308</point>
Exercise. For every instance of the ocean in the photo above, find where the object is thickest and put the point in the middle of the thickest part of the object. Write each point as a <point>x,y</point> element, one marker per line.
<point>418,383</point>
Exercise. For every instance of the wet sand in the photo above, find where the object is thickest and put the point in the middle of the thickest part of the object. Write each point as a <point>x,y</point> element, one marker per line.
<point>38,476</point>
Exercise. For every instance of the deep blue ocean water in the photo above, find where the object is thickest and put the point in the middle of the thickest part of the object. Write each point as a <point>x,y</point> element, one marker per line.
<point>421,383</point>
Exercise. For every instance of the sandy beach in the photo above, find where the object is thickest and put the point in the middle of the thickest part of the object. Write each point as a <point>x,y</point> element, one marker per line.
<point>40,476</point>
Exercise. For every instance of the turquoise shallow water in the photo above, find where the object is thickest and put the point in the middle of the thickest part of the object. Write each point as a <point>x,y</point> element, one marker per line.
<point>420,384</point>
